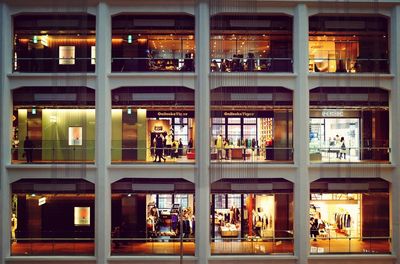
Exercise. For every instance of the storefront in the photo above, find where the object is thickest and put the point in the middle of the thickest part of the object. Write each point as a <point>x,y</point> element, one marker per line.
<point>52,217</point>
<point>144,212</point>
<point>253,124</point>
<point>54,42</point>
<point>244,211</point>
<point>59,123</point>
<point>348,44</point>
<point>153,42</point>
<point>349,124</point>
<point>149,119</point>
<point>352,214</point>
<point>243,43</point>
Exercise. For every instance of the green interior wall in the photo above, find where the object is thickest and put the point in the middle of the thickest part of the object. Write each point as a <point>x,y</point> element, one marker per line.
<point>22,131</point>
<point>142,134</point>
<point>55,124</point>
<point>116,135</point>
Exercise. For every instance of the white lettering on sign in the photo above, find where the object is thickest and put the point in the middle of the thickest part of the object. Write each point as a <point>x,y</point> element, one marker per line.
<point>332,113</point>
<point>245,114</point>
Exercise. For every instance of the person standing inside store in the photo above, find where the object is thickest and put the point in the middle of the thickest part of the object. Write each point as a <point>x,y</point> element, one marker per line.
<point>337,144</point>
<point>342,148</point>
<point>159,149</point>
<point>190,145</point>
<point>314,228</point>
<point>28,149</point>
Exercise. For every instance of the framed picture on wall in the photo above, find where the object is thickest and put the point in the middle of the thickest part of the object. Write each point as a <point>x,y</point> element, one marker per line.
<point>75,136</point>
<point>66,55</point>
<point>82,216</point>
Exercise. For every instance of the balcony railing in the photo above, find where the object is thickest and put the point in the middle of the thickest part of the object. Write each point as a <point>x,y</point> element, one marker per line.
<point>350,245</point>
<point>350,154</point>
<point>152,155</point>
<point>44,65</point>
<point>349,65</point>
<point>252,246</point>
<point>234,64</point>
<point>131,64</point>
<point>153,246</point>
<point>256,155</point>
<point>54,151</point>
<point>52,247</point>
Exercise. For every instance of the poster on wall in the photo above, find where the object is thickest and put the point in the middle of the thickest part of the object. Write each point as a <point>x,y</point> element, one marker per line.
<point>82,216</point>
<point>75,136</point>
<point>66,55</point>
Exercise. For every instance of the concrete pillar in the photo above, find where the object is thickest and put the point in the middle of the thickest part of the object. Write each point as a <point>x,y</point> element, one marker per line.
<point>5,131</point>
<point>103,133</point>
<point>202,106</point>
<point>394,122</point>
<point>300,127</point>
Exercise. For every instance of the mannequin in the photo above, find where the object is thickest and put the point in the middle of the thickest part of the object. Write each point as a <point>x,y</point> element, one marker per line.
<point>14,226</point>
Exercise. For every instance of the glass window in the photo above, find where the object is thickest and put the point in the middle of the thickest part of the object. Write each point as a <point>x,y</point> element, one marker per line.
<point>234,200</point>
<point>234,120</point>
<point>249,120</point>
<point>165,201</point>
<point>218,129</point>
<point>182,200</point>
<point>218,120</point>
<point>234,134</point>
<point>181,132</point>
<point>220,201</point>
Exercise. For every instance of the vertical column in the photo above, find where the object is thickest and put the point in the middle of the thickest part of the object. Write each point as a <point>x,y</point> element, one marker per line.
<point>103,133</point>
<point>301,123</point>
<point>202,104</point>
<point>394,123</point>
<point>5,131</point>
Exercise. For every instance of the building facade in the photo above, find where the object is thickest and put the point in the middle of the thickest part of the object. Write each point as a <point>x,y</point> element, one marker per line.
<point>200,131</point>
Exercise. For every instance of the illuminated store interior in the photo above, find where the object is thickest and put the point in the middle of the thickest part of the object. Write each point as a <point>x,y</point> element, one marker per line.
<point>52,217</point>
<point>54,42</point>
<point>349,124</point>
<point>153,218</point>
<point>252,217</point>
<point>153,42</point>
<point>251,124</point>
<point>351,216</point>
<point>251,43</point>
<point>348,44</point>
<point>141,115</point>
<point>59,121</point>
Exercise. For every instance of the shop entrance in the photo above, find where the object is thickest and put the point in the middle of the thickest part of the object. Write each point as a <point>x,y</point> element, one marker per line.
<point>243,215</point>
<point>327,134</point>
<point>338,214</point>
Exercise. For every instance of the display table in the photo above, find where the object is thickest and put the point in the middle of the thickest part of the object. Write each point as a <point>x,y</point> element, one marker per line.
<point>237,153</point>
<point>229,231</point>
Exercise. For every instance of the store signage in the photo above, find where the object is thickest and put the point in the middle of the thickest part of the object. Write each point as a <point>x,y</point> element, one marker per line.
<point>42,201</point>
<point>335,113</point>
<point>332,113</point>
<point>243,114</point>
<point>170,114</point>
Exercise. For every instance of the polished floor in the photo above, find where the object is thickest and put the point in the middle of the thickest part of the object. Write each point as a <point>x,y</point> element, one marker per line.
<point>321,246</point>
